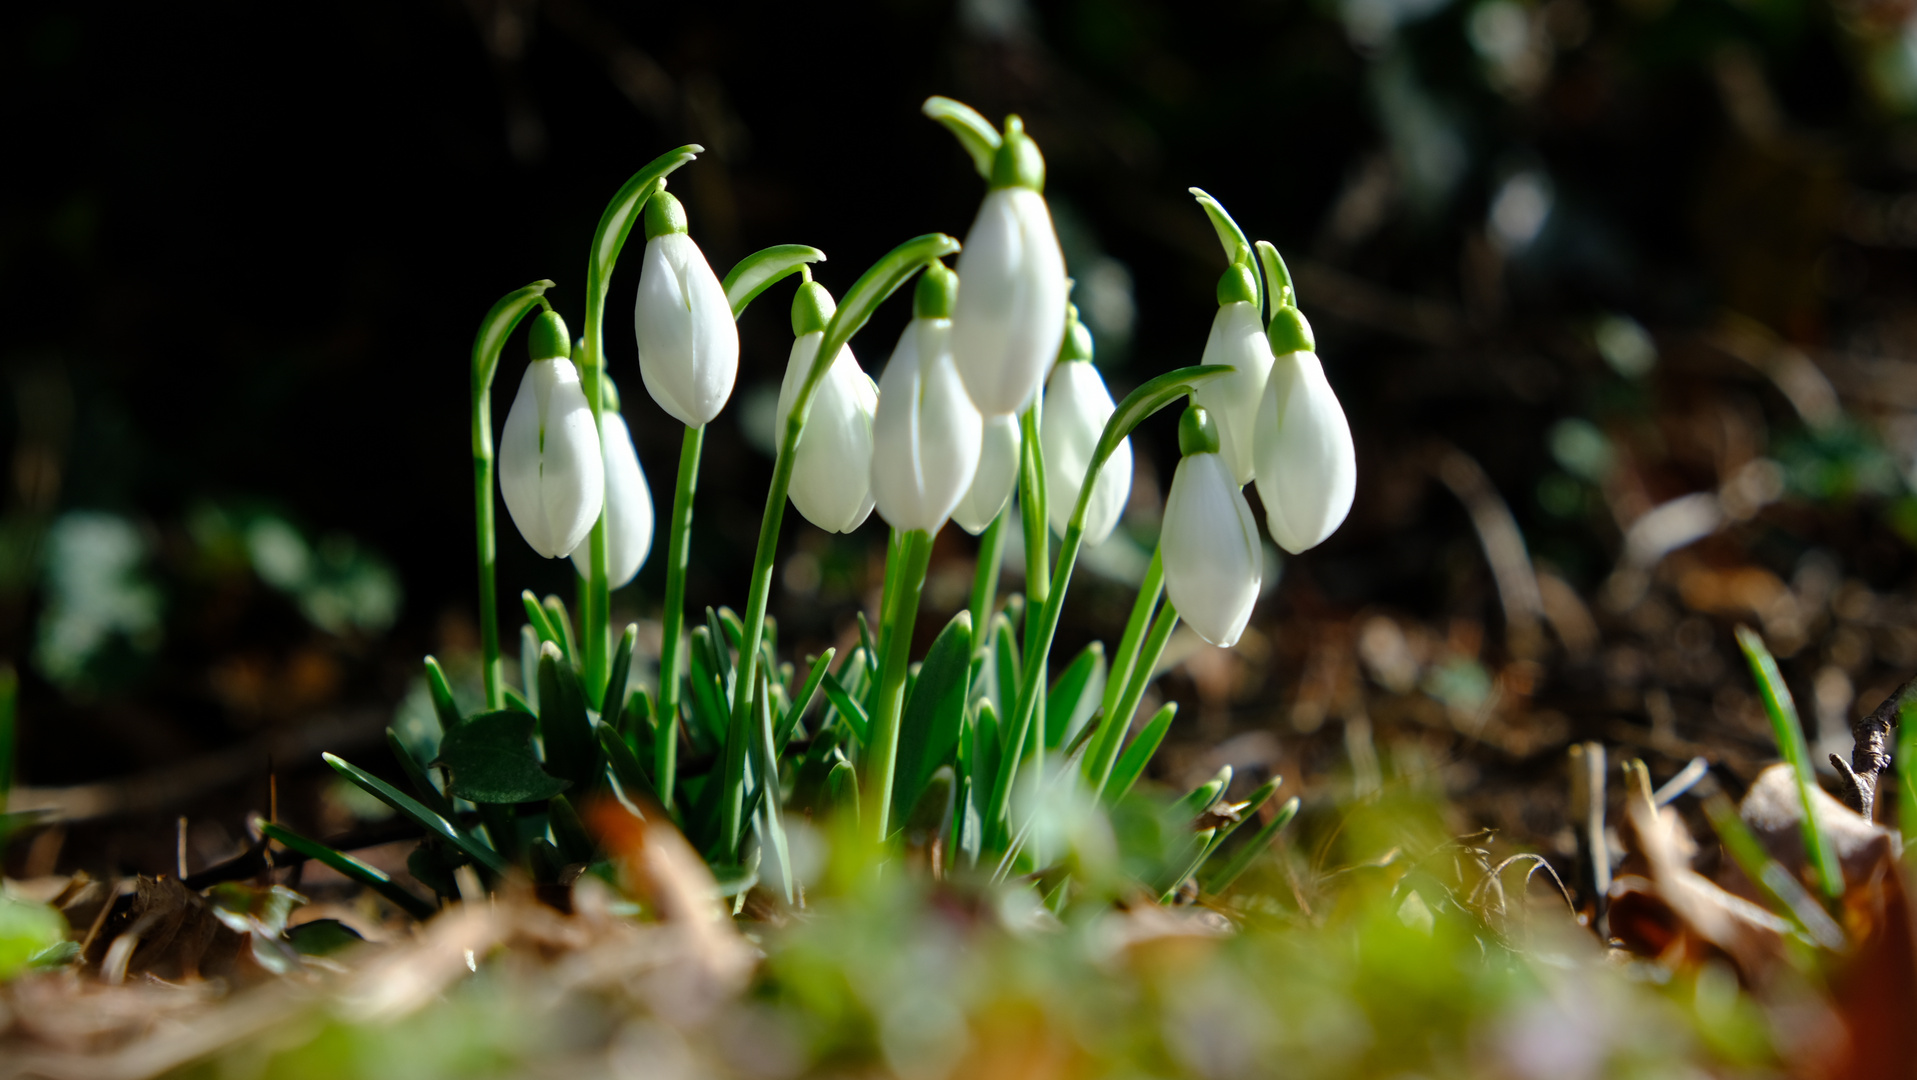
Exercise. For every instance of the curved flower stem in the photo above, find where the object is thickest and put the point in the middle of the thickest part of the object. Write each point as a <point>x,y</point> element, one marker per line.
<point>1034,516</point>
<point>914,551</point>
<point>1120,720</point>
<point>494,329</point>
<point>877,283</point>
<point>665,739</point>
<point>991,550</point>
<point>1112,725</point>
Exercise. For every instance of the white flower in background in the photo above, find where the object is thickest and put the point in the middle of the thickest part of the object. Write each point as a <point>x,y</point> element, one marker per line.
<point>1238,340</point>
<point>1214,562</point>
<point>926,431</point>
<point>1307,467</point>
<point>997,475</point>
<point>832,468</point>
<point>629,520</point>
<point>1011,308</point>
<point>688,343</point>
<point>550,469</point>
<point>1073,416</point>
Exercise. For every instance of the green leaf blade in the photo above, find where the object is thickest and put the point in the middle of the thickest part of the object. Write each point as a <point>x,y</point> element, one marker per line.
<point>934,711</point>
<point>369,876</point>
<point>420,815</point>
<point>1789,730</point>
<point>763,269</point>
<point>975,133</point>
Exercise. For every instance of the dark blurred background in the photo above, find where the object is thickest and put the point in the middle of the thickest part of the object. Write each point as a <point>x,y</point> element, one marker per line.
<point>1568,263</point>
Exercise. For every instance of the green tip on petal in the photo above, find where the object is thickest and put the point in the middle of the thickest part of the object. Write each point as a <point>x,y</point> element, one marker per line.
<point>937,291</point>
<point>1077,343</point>
<point>664,215</point>
<point>549,339</point>
<point>608,394</point>
<point>812,309</point>
<point>1197,432</point>
<point>1290,333</point>
<point>1018,162</point>
<point>1237,285</point>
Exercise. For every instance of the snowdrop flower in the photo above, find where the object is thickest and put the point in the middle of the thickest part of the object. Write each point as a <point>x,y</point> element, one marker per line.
<point>1011,308</point>
<point>550,469</point>
<point>925,434</point>
<point>832,469</point>
<point>1307,468</point>
<point>1212,556</point>
<point>997,475</point>
<point>688,343</point>
<point>1238,340</point>
<point>1073,416</point>
<point>629,519</point>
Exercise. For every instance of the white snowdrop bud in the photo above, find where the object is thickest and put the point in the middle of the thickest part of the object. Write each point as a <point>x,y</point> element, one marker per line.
<point>1237,341</point>
<point>1213,560</point>
<point>629,520</point>
<point>1307,467</point>
<point>688,343</point>
<point>550,469</point>
<point>1074,413</point>
<point>1011,308</point>
<point>997,475</point>
<point>832,467</point>
<point>925,434</point>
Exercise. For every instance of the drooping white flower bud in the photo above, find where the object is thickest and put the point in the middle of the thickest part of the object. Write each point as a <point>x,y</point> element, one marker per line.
<point>997,475</point>
<point>1237,340</point>
<point>832,467</point>
<point>1307,466</point>
<point>550,469</point>
<point>688,343</point>
<point>1011,308</point>
<point>925,434</point>
<point>629,518</point>
<point>1213,560</point>
<point>1075,410</point>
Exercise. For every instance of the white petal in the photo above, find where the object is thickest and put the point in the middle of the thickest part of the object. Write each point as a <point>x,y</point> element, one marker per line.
<point>1075,410</point>
<point>925,435</point>
<point>996,476</point>
<point>1010,313</point>
<point>832,470</point>
<point>688,342</point>
<point>1213,560</point>
<point>1307,467</point>
<point>550,470</point>
<point>519,468</point>
<point>629,516</point>
<point>1237,339</point>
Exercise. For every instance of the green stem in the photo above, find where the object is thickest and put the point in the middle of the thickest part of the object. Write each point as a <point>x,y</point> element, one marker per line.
<point>877,283</point>
<point>915,553</point>
<point>991,551</point>
<point>1141,677</point>
<point>494,329</point>
<point>1034,510</point>
<point>665,744</point>
<point>1112,725</point>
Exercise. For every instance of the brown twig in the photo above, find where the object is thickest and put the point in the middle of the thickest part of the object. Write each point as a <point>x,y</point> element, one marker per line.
<point>1870,752</point>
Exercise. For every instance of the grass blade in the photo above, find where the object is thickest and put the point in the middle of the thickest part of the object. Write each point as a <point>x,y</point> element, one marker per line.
<point>1789,731</point>
<point>412,808</point>
<point>368,876</point>
<point>1131,764</point>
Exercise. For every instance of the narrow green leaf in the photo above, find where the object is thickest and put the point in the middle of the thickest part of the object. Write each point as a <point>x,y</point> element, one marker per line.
<point>1131,764</point>
<point>536,618</point>
<point>766,815</point>
<point>820,667</point>
<point>626,768</point>
<point>933,713</point>
<point>893,269</point>
<point>412,808</point>
<point>569,833</point>
<point>529,644</point>
<point>1199,799</point>
<point>416,776</point>
<point>1247,854</point>
<point>1005,663</point>
<point>1786,894</point>
<point>560,620</point>
<point>498,325</point>
<point>613,706</point>
<point>623,211</point>
<point>850,710</point>
<point>517,700</point>
<point>762,269</point>
<point>1075,695</point>
<point>975,133</point>
<point>1184,864</point>
<point>1789,731</point>
<point>869,652</point>
<point>572,752</point>
<point>842,786</point>
<point>369,876</point>
<point>707,697</point>
<point>1230,236</point>
<point>492,760</point>
<point>1907,778</point>
<point>1278,288</point>
<point>1245,813</point>
<point>1141,403</point>
<point>721,646</point>
<point>444,705</point>
<point>984,748</point>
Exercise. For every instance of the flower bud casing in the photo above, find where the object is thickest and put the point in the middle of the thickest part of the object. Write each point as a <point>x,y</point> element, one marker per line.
<point>688,342</point>
<point>1237,340</point>
<point>1076,407</point>
<point>1011,304</point>
<point>1214,563</point>
<point>926,432</point>
<point>629,514</point>
<point>551,472</point>
<point>1306,464</point>
<point>997,475</point>
<point>832,467</point>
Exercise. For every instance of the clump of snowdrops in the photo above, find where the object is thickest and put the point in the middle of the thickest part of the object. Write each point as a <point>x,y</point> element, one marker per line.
<point>985,753</point>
